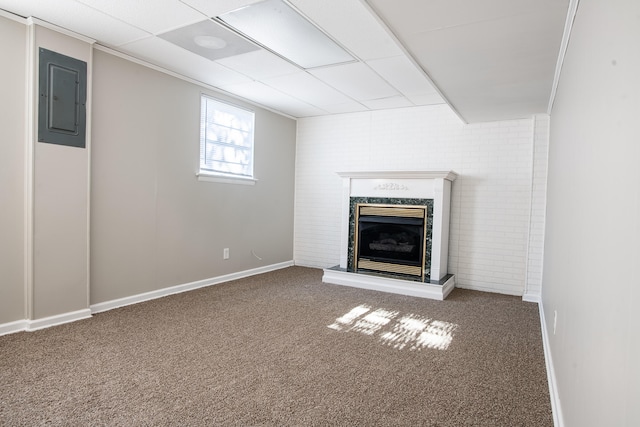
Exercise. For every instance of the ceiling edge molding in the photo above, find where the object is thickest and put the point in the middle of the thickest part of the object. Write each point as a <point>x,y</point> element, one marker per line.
<point>171,73</point>
<point>12,16</point>
<point>36,21</point>
<point>566,36</point>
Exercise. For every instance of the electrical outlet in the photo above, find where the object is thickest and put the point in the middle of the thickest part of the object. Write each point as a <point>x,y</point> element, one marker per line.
<point>555,320</point>
<point>225,253</point>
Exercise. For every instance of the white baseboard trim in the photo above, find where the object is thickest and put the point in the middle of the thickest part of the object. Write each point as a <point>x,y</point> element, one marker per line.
<point>531,298</point>
<point>556,408</point>
<point>45,322</point>
<point>13,327</point>
<point>34,325</point>
<point>59,319</point>
<point>134,299</point>
<point>489,289</point>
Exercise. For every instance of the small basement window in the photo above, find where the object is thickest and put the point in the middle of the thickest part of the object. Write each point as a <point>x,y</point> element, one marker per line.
<point>226,142</point>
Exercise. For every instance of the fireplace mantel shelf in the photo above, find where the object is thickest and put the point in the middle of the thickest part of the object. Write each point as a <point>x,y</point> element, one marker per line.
<point>448,175</point>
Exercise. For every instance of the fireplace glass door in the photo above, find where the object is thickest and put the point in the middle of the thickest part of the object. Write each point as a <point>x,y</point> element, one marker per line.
<point>391,239</point>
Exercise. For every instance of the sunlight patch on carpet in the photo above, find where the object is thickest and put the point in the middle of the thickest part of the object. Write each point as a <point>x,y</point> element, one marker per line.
<point>408,331</point>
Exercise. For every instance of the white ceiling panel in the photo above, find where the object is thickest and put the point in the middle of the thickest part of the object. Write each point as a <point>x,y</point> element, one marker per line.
<point>77,17</point>
<point>520,68</point>
<point>259,65</point>
<point>277,26</point>
<point>490,60</point>
<point>153,16</point>
<point>36,8</point>
<point>402,74</point>
<point>425,98</point>
<point>346,107</point>
<point>355,80</point>
<point>304,86</point>
<point>167,55</point>
<point>263,94</point>
<point>218,7</point>
<point>352,24</point>
<point>391,102</point>
<point>210,40</point>
<point>418,16</point>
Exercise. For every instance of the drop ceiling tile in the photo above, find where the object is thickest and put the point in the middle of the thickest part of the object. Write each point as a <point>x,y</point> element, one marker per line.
<point>355,80</point>
<point>402,74</point>
<point>259,65</point>
<point>352,24</point>
<point>270,97</point>
<point>493,60</point>
<point>160,52</point>
<point>78,18</point>
<point>226,43</point>
<point>430,98</point>
<point>436,15</point>
<point>280,28</point>
<point>391,102</point>
<point>28,8</point>
<point>347,107</point>
<point>485,74</point>
<point>308,88</point>
<point>218,7</point>
<point>152,16</point>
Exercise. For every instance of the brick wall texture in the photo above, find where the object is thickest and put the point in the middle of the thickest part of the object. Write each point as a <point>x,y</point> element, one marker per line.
<point>498,200</point>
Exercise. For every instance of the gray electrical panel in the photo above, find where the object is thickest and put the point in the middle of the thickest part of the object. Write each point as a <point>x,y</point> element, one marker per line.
<point>62,110</point>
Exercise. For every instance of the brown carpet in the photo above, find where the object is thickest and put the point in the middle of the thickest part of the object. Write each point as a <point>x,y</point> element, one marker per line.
<point>279,349</point>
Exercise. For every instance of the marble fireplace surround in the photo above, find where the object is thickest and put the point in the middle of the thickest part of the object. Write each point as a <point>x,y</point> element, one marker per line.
<point>435,185</point>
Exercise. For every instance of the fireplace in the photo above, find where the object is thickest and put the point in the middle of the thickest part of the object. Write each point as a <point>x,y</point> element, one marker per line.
<point>395,233</point>
<point>390,239</point>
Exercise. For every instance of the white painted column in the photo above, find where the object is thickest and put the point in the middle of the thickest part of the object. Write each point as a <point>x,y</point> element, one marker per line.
<point>344,230</point>
<point>436,232</point>
<point>440,232</point>
<point>58,185</point>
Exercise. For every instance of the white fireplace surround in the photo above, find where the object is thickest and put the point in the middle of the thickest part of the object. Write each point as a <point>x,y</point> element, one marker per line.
<point>434,185</point>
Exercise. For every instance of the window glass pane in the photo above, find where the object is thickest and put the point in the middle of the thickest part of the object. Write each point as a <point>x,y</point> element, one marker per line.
<point>226,138</point>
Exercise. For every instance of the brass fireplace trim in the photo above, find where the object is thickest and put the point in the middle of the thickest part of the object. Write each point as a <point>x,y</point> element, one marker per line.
<point>403,211</point>
<point>391,268</point>
<point>386,210</point>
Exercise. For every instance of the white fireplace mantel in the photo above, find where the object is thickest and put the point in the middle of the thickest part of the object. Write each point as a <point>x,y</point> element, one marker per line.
<point>392,175</point>
<point>434,185</point>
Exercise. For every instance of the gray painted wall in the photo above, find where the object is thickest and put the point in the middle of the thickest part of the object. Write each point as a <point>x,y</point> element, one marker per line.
<point>49,277</point>
<point>12,162</point>
<point>153,224</point>
<point>60,205</point>
<point>592,242</point>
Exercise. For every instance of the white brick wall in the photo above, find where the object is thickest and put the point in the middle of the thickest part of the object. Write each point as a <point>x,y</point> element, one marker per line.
<point>491,200</point>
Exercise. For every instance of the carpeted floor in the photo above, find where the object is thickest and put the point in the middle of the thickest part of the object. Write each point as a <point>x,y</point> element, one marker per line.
<point>280,349</point>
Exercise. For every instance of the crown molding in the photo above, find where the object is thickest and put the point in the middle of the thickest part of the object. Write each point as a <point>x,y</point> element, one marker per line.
<point>568,26</point>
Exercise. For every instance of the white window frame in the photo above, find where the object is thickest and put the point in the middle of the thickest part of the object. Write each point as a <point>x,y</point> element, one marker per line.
<point>247,126</point>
